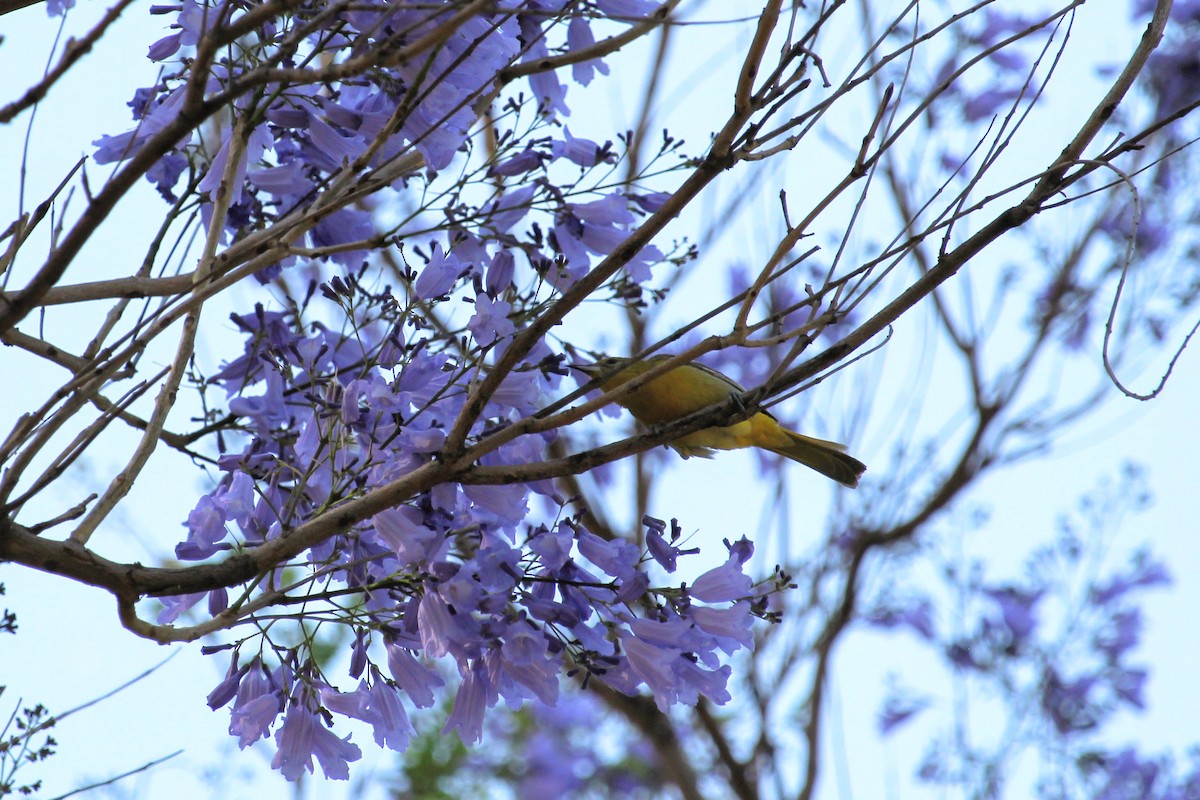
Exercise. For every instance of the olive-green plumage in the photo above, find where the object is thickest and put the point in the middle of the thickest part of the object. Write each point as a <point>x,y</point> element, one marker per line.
<point>691,387</point>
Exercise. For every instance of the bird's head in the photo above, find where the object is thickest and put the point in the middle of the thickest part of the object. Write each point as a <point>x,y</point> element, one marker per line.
<point>612,371</point>
<point>601,366</point>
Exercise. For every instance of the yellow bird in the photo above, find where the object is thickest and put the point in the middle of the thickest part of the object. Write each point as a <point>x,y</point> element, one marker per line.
<point>691,387</point>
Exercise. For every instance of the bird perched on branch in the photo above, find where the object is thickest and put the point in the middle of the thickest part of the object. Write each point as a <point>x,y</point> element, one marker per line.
<point>691,387</point>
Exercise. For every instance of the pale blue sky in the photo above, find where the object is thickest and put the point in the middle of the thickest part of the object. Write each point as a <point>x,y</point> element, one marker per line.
<point>71,647</point>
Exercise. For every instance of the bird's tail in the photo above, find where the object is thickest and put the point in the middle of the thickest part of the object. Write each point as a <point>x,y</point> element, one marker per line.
<point>828,458</point>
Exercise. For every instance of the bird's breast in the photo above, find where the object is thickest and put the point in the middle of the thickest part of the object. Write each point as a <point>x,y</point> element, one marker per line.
<point>671,396</point>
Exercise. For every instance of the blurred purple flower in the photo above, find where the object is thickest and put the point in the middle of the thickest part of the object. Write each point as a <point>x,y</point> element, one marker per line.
<point>1017,610</point>
<point>1127,776</point>
<point>897,711</point>
<point>1120,635</point>
<point>627,10</point>
<point>1143,573</point>
<point>1129,685</point>
<point>1069,705</point>
<point>916,615</point>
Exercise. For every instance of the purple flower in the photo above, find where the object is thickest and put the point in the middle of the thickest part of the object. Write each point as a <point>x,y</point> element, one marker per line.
<point>549,611</point>
<point>218,601</point>
<point>607,211</point>
<point>358,653</point>
<point>583,152</point>
<point>439,275</point>
<point>227,689</point>
<point>579,37</point>
<point>286,180</point>
<point>342,227</point>
<point>547,90</point>
<point>304,735</point>
<point>553,547</point>
<point>501,214</point>
<point>741,550</point>
<point>378,705</point>
<point>497,566</point>
<point>490,321</point>
<point>522,666</point>
<point>526,161</point>
<point>504,505</point>
<point>665,554</point>
<point>466,718</point>
<point>500,273</point>
<point>401,528</point>
<point>206,531</point>
<point>158,115</point>
<point>616,557</point>
<point>256,144</point>
<point>723,583</point>
<point>417,680</point>
<point>175,605</point>
<point>256,708</point>
<point>191,23</point>
<point>443,633</point>
<point>731,625</point>
<point>654,666</point>
<point>696,682</point>
<point>165,174</point>
<point>164,48</point>
<point>600,227</point>
<point>626,10</point>
<point>651,202</point>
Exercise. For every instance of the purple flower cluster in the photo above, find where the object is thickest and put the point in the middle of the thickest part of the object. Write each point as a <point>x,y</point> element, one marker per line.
<point>307,130</point>
<point>1174,69</point>
<point>460,574</point>
<point>1078,675</point>
<point>459,587</point>
<point>549,751</point>
<point>446,576</point>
